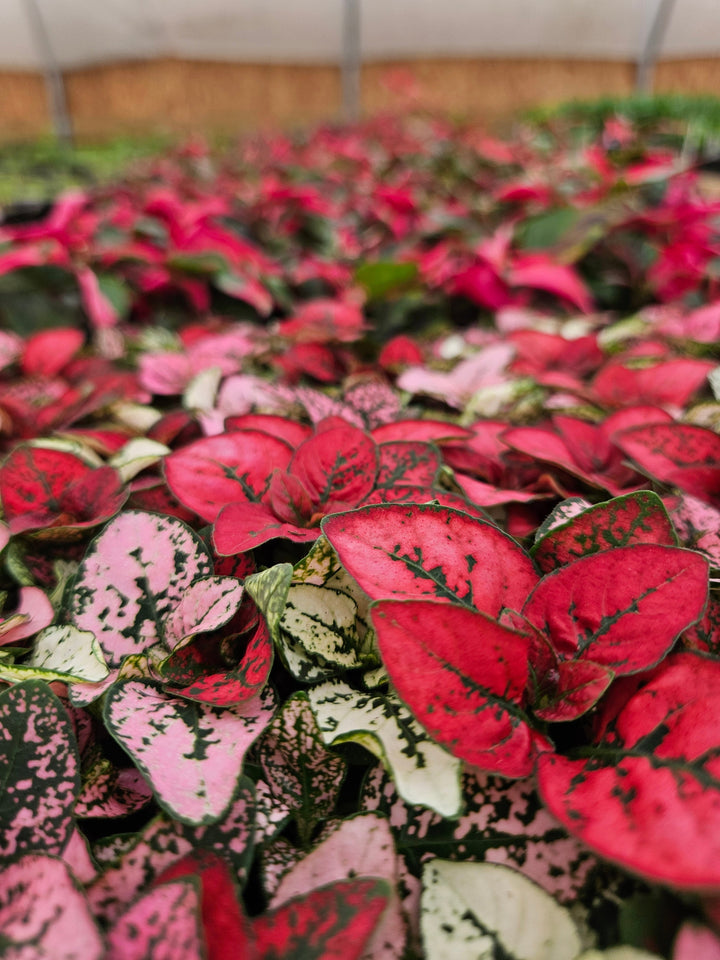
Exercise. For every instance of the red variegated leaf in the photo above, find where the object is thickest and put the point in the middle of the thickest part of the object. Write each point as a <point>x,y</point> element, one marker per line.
<point>47,351</point>
<point>667,383</point>
<point>207,745</point>
<point>330,923</point>
<point>217,687</point>
<point>39,771</point>
<point>244,526</point>
<point>292,432</point>
<point>164,924</point>
<point>540,272</point>
<point>227,932</point>
<point>230,468</point>
<point>44,914</point>
<point>337,466</point>
<point>421,431</point>
<point>621,608</point>
<point>634,518</point>
<point>407,462</point>
<point>705,634</point>
<point>463,675</point>
<point>680,454</point>
<point>434,552</point>
<point>43,488</point>
<point>648,795</point>
<point>578,687</point>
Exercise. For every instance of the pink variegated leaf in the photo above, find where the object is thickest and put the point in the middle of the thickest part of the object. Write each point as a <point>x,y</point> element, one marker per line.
<point>634,518</point>
<point>463,675</point>
<point>680,454</point>
<point>334,922</point>
<point>129,867</point>
<point>230,468</point>
<point>502,821</point>
<point>110,792</point>
<point>694,942</point>
<point>314,784</point>
<point>39,771</point>
<point>359,846</point>
<point>33,612</point>
<point>407,462</point>
<point>97,305</point>
<point>648,794</point>
<point>44,914</point>
<point>134,575</point>
<point>433,552</point>
<point>697,525</point>
<point>207,604</point>
<point>164,924</point>
<point>208,745</point>
<point>649,595</point>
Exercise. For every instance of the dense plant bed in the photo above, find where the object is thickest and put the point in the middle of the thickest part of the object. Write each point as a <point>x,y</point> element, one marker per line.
<point>361,503</point>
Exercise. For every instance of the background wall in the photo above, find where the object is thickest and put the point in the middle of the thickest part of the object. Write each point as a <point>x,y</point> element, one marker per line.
<point>179,96</point>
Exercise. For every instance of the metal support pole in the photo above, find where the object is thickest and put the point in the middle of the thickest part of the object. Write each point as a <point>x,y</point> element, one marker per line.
<point>653,45</point>
<point>54,83</point>
<point>351,61</point>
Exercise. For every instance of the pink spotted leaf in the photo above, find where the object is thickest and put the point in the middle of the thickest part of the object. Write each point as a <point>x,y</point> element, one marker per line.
<point>208,744</point>
<point>39,771</point>
<point>164,924</point>
<point>44,914</point>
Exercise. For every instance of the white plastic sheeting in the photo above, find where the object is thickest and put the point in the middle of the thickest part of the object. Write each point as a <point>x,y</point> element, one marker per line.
<point>85,32</point>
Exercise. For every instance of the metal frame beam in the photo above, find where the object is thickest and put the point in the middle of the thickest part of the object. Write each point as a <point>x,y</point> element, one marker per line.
<point>659,23</point>
<point>54,82</point>
<point>351,66</point>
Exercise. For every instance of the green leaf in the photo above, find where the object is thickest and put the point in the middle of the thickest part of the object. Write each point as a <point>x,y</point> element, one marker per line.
<point>385,277</point>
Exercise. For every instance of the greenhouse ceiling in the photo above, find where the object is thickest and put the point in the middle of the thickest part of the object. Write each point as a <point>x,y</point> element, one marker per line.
<point>84,32</point>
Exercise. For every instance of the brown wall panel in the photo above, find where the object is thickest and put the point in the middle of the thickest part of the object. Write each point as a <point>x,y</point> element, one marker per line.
<point>175,96</point>
<point>23,107</point>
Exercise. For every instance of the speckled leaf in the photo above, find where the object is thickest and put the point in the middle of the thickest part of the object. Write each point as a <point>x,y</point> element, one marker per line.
<point>432,552</point>
<point>39,771</point>
<point>207,744</point>
<point>634,518</point>
<point>207,604</point>
<point>111,792</point>
<point>358,846</point>
<point>337,465</point>
<point>424,772</point>
<point>210,473</point>
<point>42,488</point>
<point>648,795</point>
<point>680,454</point>
<point>326,624</point>
<point>131,863</point>
<point>299,767</point>
<point>485,911</point>
<point>694,942</point>
<point>330,923</point>
<point>697,525</point>
<point>649,595</point>
<point>408,462</point>
<point>43,914</point>
<point>164,924</point>
<point>269,591</point>
<point>135,573</point>
<point>504,821</point>
<point>463,676</point>
<point>68,653</point>
<point>220,688</point>
<point>576,686</point>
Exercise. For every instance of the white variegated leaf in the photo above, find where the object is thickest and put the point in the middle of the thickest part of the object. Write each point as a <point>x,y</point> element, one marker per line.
<point>482,911</point>
<point>424,773</point>
<point>137,454</point>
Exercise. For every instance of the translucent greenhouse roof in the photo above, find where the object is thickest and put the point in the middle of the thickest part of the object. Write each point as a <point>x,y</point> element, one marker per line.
<point>83,32</point>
